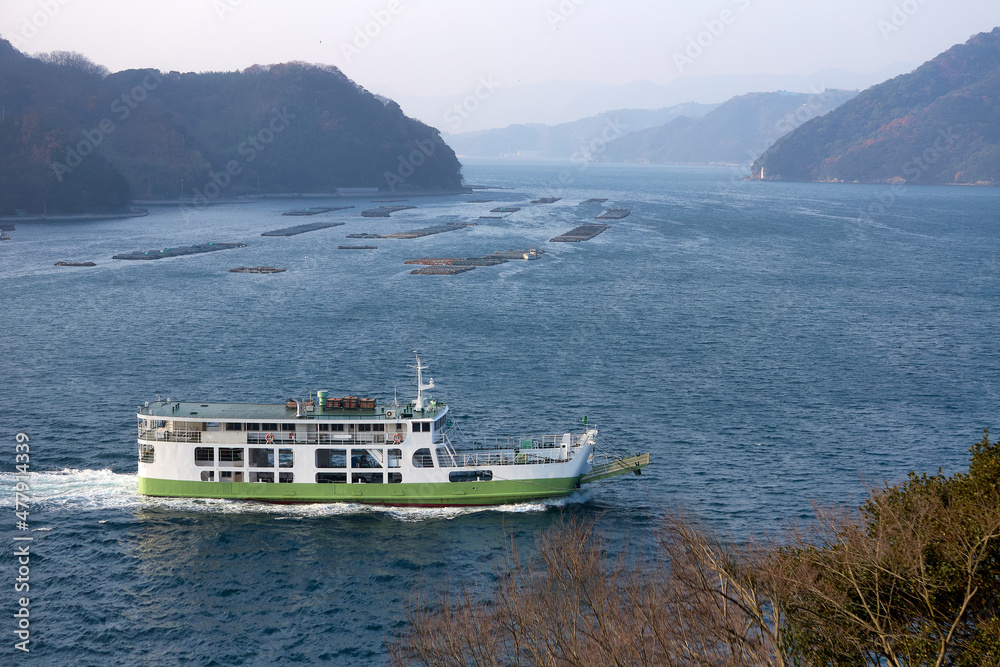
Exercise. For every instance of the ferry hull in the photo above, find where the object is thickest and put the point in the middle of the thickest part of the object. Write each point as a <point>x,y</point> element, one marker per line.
<point>429,494</point>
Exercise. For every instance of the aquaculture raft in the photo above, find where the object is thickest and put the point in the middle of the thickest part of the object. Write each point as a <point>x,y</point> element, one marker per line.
<point>302,229</point>
<point>441,270</point>
<point>316,211</point>
<point>595,200</point>
<point>357,247</point>
<point>179,251</point>
<point>505,209</point>
<point>257,269</point>
<point>75,264</point>
<point>546,200</point>
<point>614,214</point>
<point>581,233</point>
<point>427,231</point>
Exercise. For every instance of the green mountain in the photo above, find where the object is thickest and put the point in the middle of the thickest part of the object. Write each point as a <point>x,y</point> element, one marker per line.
<point>567,140</point>
<point>734,133</point>
<point>937,124</point>
<point>74,138</point>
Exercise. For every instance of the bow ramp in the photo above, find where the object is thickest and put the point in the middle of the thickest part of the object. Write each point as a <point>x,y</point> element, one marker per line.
<point>615,467</point>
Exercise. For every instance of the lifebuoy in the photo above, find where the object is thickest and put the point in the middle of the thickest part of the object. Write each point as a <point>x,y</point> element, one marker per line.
<point>396,439</point>
<point>291,435</point>
<point>269,438</point>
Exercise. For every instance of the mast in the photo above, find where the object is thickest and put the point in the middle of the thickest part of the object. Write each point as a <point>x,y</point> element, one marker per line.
<point>419,405</point>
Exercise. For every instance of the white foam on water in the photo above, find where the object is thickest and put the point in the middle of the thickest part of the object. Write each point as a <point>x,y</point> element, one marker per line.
<point>96,490</point>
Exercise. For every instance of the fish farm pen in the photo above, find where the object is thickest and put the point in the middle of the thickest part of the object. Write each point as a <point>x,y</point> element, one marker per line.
<point>302,229</point>
<point>180,251</point>
<point>581,233</point>
<point>316,211</point>
<point>441,270</point>
<point>427,231</point>
<point>257,269</point>
<point>614,214</point>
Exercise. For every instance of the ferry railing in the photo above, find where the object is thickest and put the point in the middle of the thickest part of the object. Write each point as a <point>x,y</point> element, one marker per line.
<point>163,435</point>
<point>487,458</point>
<point>521,443</point>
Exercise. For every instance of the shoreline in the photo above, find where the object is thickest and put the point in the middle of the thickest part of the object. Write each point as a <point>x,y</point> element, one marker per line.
<point>76,217</point>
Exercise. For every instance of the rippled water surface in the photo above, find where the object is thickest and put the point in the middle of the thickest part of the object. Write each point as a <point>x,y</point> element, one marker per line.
<point>767,342</point>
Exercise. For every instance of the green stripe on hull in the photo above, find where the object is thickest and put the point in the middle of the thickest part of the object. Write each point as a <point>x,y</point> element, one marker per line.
<point>495,492</point>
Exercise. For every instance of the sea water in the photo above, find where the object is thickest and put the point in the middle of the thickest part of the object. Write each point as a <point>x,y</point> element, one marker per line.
<point>773,345</point>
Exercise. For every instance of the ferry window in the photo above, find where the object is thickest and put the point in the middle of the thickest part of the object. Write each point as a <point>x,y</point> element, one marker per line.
<point>336,427</point>
<point>208,475</point>
<point>364,427</point>
<point>285,458</point>
<point>262,477</point>
<point>286,477</point>
<point>212,426</point>
<point>422,426</point>
<point>470,476</point>
<point>261,458</point>
<point>366,478</point>
<point>331,458</point>
<point>204,456</point>
<point>395,456</point>
<point>395,478</point>
<point>230,426</point>
<point>331,478</point>
<point>288,427</point>
<point>324,427</point>
<point>269,426</point>
<point>230,476</point>
<point>422,458</point>
<point>147,454</point>
<point>378,427</point>
<point>231,456</point>
<point>362,458</point>
<point>253,427</point>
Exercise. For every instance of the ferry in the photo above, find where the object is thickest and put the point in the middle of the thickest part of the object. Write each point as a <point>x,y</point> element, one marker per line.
<point>351,449</point>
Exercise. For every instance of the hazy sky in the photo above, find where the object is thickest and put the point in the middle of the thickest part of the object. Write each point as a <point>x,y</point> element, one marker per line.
<point>443,47</point>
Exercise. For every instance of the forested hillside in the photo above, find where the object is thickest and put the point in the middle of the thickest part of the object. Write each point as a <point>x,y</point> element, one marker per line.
<point>75,138</point>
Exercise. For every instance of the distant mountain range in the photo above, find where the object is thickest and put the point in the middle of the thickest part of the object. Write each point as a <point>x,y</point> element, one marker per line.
<point>938,124</point>
<point>504,103</point>
<point>75,138</point>
<point>567,139</point>
<point>733,133</point>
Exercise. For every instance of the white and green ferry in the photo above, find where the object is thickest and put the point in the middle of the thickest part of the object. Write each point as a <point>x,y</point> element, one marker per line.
<point>353,450</point>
